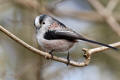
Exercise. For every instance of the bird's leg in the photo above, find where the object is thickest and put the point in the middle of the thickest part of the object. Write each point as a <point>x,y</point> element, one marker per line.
<point>85,56</point>
<point>51,53</point>
<point>68,58</point>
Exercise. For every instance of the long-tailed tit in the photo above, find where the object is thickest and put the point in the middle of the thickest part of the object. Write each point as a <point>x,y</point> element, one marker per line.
<point>54,36</point>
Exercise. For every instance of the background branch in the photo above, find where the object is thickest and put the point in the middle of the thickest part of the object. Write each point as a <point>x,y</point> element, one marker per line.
<point>84,15</point>
<point>51,9</point>
<point>107,15</point>
<point>88,52</point>
<point>111,5</point>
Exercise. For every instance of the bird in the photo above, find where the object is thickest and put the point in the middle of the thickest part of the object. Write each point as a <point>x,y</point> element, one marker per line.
<point>53,36</point>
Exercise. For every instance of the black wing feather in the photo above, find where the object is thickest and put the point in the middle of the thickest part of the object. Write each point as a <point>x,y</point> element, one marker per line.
<point>52,35</point>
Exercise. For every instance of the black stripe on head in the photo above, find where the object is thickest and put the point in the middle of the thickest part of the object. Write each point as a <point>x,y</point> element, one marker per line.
<point>42,17</point>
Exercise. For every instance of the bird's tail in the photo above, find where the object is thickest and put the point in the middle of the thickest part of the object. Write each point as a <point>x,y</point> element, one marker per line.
<point>95,42</point>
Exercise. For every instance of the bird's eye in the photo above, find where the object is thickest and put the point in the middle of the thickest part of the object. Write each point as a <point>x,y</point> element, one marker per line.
<point>43,22</point>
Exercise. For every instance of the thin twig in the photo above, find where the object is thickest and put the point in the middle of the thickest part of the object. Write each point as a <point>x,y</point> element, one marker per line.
<point>100,49</point>
<point>59,59</point>
<point>106,14</point>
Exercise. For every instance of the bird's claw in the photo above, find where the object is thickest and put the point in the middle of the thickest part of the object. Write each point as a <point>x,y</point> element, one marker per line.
<point>68,59</point>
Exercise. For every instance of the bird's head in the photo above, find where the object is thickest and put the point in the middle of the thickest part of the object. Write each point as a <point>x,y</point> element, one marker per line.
<point>42,21</point>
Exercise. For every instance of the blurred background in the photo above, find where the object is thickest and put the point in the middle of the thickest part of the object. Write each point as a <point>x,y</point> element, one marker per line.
<point>18,63</point>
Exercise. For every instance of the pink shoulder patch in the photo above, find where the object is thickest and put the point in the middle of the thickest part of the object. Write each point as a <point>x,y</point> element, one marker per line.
<point>54,26</point>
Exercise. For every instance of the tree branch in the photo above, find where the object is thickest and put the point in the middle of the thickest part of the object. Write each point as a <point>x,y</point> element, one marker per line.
<point>88,52</point>
<point>44,54</point>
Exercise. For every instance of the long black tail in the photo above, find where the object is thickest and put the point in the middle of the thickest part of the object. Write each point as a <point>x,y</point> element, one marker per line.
<point>95,42</point>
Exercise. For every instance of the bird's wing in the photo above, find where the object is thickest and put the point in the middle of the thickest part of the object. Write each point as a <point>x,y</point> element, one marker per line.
<point>63,32</point>
<point>66,35</point>
<point>70,36</point>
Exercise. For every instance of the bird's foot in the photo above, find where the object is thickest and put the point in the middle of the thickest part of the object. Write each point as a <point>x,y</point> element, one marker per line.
<point>85,56</point>
<point>68,59</point>
<point>51,53</point>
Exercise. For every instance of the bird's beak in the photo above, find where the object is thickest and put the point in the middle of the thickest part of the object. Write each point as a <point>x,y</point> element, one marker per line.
<point>37,28</point>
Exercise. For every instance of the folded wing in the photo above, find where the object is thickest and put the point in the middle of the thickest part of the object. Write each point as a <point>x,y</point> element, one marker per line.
<point>70,36</point>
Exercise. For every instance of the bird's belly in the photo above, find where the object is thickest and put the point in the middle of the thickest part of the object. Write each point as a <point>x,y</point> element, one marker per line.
<point>57,45</point>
